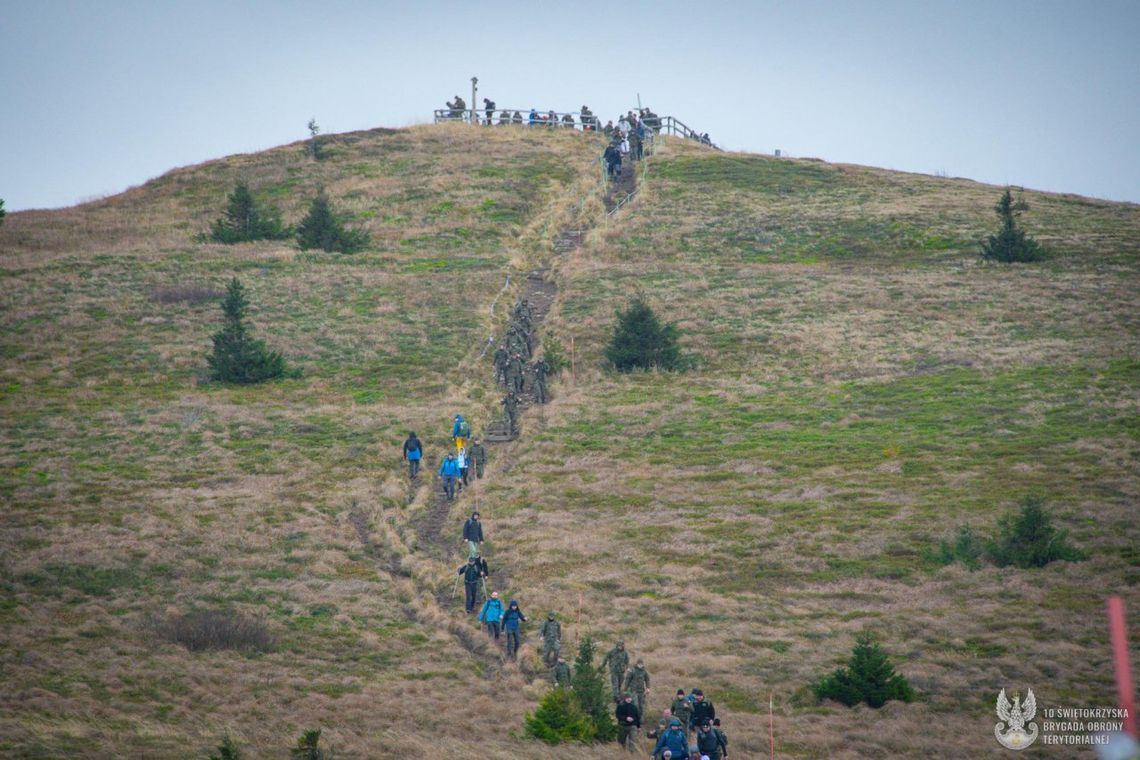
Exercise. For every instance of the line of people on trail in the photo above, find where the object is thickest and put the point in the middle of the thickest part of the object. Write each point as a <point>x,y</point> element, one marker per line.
<point>689,717</point>
<point>514,366</point>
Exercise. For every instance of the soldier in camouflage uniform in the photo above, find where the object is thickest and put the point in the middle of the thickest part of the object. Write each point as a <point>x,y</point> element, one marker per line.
<point>500,358</point>
<point>515,373</point>
<point>682,710</point>
<point>511,410</point>
<point>551,640</point>
<point>637,683</point>
<point>540,369</point>
<point>561,673</point>
<point>478,456</point>
<point>618,660</point>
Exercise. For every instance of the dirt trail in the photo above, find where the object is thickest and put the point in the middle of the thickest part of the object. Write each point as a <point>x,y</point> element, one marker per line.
<point>432,537</point>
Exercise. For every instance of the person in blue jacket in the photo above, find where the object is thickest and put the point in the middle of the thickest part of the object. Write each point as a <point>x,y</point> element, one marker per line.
<point>449,473</point>
<point>413,453</point>
<point>460,432</point>
<point>492,615</point>
<point>513,618</point>
<point>672,739</point>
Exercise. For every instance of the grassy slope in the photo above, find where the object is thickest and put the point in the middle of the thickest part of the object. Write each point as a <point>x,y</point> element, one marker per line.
<point>864,387</point>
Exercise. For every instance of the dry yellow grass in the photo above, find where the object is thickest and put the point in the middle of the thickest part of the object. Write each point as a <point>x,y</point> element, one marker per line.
<point>864,387</point>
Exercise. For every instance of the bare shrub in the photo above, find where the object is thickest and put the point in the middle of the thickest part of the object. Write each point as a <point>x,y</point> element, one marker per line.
<point>191,294</point>
<point>216,629</point>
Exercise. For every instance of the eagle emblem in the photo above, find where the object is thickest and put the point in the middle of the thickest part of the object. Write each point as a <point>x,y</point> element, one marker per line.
<point>1017,716</point>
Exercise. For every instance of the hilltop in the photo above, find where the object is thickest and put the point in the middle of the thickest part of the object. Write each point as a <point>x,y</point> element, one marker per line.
<point>863,386</point>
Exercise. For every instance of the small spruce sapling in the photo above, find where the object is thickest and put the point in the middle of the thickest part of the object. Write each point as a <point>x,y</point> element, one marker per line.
<point>321,229</point>
<point>1011,245</point>
<point>237,357</point>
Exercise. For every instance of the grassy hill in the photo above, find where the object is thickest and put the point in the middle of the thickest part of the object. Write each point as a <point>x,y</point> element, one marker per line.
<point>863,386</point>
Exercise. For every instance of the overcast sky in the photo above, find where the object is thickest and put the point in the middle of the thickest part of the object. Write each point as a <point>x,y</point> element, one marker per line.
<point>101,95</point>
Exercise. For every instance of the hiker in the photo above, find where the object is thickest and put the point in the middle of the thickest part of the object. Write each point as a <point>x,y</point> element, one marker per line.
<point>682,709</point>
<point>461,460</point>
<point>612,157</point>
<point>561,673</point>
<point>481,563</point>
<point>540,369</point>
<point>449,472</point>
<point>618,660</point>
<point>703,709</point>
<point>492,615</point>
<point>504,118</point>
<point>672,742</point>
<point>662,725</point>
<point>488,109</point>
<point>511,408</point>
<point>568,120</point>
<point>608,130</point>
<point>637,681</point>
<point>587,119</point>
<point>500,359</point>
<point>471,579</point>
<point>478,457</point>
<point>708,741</point>
<point>457,108</point>
<point>635,148</point>
<point>512,620</point>
<point>722,737</point>
<point>629,721</point>
<point>515,372</point>
<point>532,118</point>
<point>460,431</point>
<point>517,118</point>
<point>473,534</point>
<point>413,453</point>
<point>551,640</point>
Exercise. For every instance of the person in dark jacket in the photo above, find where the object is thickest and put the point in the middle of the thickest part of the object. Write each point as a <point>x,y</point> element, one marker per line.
<point>708,742</point>
<point>473,534</point>
<point>612,157</point>
<point>629,721</point>
<point>449,473</point>
<point>703,710</point>
<point>672,739</point>
<point>413,453</point>
<point>489,109</point>
<point>471,579</point>
<point>722,736</point>
<point>513,619</point>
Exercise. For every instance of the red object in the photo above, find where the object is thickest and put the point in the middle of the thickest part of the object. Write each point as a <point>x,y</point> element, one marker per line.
<point>1120,659</point>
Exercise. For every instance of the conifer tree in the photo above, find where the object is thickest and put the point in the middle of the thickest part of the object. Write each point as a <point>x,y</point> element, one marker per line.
<point>869,677</point>
<point>559,718</point>
<point>591,692</point>
<point>244,221</point>
<point>237,356</point>
<point>321,229</point>
<point>1010,244</point>
<point>641,341</point>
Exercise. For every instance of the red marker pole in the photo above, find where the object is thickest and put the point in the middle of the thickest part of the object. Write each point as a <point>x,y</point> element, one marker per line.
<point>1120,660</point>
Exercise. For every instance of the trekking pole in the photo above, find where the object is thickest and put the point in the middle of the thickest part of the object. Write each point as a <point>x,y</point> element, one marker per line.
<point>455,590</point>
<point>485,594</point>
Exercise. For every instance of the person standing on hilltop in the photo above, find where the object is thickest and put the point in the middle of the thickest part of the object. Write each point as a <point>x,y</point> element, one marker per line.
<point>488,109</point>
<point>413,453</point>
